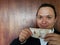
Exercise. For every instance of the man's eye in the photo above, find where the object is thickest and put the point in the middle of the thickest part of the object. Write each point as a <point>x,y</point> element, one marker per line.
<point>40,17</point>
<point>49,17</point>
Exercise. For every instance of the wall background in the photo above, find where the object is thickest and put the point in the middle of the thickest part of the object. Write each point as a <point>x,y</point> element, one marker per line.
<point>18,14</point>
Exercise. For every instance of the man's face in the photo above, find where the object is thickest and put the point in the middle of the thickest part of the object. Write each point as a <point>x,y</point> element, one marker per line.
<point>46,18</point>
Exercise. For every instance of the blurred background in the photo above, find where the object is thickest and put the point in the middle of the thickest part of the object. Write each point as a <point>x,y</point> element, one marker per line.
<point>18,14</point>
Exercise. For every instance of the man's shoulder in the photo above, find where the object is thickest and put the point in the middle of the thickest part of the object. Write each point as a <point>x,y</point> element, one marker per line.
<point>56,31</point>
<point>15,41</point>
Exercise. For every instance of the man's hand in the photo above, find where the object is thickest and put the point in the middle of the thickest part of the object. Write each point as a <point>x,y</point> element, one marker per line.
<point>24,34</point>
<point>53,39</point>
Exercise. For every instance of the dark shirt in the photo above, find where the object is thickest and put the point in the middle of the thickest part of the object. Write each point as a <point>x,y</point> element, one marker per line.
<point>30,41</point>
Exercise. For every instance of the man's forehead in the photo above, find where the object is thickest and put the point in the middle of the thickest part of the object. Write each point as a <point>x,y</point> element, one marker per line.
<point>45,12</point>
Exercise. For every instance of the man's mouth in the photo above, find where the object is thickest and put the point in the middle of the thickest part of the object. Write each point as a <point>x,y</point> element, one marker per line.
<point>44,26</point>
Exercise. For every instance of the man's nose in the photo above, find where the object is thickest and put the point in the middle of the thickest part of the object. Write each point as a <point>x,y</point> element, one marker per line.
<point>44,20</point>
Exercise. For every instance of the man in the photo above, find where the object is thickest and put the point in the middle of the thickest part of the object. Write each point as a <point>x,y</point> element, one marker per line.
<point>45,18</point>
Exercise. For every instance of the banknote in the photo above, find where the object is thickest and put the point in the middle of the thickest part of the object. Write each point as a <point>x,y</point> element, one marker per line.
<point>40,33</point>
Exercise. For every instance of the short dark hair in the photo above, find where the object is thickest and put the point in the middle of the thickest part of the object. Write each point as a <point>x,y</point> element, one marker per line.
<point>47,5</point>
